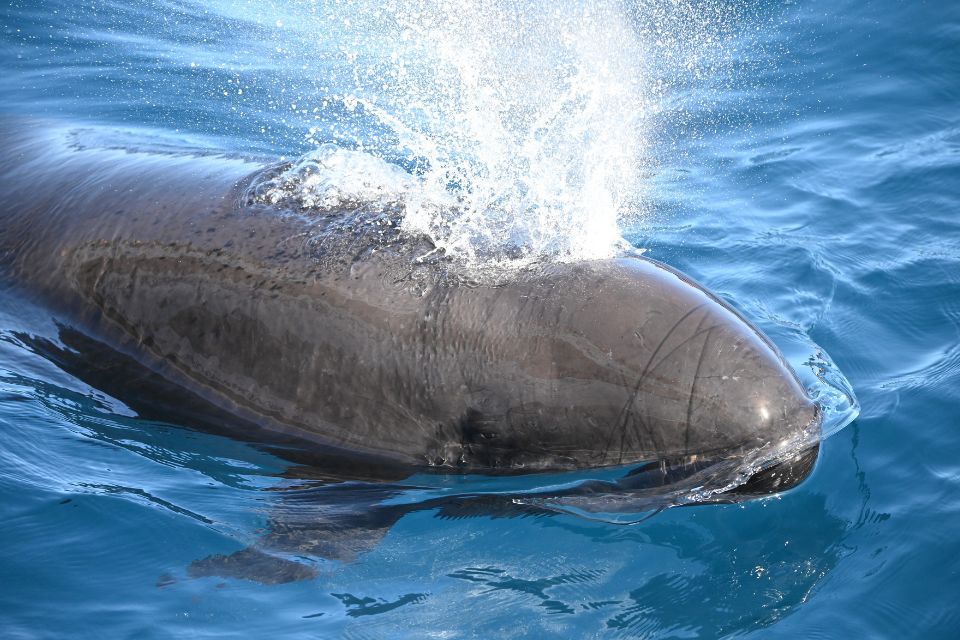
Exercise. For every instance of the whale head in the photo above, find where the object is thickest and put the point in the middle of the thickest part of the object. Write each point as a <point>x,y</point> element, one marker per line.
<point>627,361</point>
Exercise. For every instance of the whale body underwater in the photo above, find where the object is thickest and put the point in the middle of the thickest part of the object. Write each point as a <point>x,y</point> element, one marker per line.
<point>332,330</point>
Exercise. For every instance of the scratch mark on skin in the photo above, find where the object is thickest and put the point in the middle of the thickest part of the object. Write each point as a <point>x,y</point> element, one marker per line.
<point>624,416</point>
<point>612,430</point>
<point>639,337</point>
<point>693,385</point>
<point>678,347</point>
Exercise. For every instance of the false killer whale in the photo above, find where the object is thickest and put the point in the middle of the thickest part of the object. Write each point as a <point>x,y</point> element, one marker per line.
<point>340,330</point>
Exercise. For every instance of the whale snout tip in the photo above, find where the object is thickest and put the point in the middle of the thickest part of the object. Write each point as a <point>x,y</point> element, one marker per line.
<point>793,467</point>
<point>781,476</point>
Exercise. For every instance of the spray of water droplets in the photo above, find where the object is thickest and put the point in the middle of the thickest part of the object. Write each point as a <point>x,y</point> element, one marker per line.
<point>525,129</point>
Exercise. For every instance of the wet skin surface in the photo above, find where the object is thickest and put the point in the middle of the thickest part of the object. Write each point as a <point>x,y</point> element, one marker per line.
<point>331,327</point>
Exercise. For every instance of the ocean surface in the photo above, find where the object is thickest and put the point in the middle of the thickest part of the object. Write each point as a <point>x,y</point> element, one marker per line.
<point>801,159</point>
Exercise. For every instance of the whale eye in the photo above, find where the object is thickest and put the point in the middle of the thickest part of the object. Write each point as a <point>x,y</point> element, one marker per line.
<point>478,427</point>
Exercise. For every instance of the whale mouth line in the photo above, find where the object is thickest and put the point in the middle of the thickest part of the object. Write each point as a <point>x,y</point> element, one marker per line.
<point>778,477</point>
<point>650,487</point>
<point>774,469</point>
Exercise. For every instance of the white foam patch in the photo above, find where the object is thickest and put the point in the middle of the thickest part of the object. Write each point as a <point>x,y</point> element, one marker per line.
<point>331,178</point>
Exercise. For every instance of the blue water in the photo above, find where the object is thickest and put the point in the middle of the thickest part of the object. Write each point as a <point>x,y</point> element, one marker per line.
<point>811,176</point>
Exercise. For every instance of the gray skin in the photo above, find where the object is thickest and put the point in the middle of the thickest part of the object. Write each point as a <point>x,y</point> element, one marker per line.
<point>331,328</point>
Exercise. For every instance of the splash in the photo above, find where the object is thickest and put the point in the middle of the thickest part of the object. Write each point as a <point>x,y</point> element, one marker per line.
<point>525,129</point>
<point>535,122</point>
